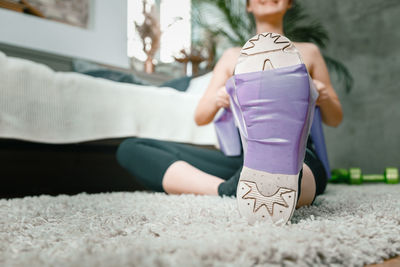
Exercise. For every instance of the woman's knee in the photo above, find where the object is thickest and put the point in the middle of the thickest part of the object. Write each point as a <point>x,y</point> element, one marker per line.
<point>126,149</point>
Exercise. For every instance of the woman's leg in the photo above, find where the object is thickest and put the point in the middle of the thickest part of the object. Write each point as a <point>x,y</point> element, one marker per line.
<point>308,188</point>
<point>159,166</point>
<point>183,178</point>
<point>314,179</point>
<point>187,169</point>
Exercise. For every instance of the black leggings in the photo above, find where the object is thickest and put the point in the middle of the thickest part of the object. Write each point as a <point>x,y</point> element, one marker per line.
<point>148,159</point>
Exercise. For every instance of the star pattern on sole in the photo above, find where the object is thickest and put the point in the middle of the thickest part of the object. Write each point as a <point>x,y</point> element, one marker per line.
<point>263,200</point>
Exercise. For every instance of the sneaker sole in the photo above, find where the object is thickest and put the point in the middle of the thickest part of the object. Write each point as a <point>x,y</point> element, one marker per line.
<point>274,124</point>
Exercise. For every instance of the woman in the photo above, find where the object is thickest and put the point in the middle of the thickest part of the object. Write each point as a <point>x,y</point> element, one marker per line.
<point>178,168</point>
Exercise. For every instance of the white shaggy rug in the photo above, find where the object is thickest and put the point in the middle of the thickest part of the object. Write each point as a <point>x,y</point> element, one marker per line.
<point>348,225</point>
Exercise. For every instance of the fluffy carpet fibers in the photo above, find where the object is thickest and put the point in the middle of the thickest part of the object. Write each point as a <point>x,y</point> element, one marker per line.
<point>347,225</point>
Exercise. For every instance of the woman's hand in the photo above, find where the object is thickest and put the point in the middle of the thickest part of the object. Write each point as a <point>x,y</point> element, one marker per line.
<point>222,98</point>
<point>323,92</point>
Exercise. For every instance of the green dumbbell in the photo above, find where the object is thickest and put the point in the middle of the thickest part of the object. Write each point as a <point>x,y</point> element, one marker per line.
<point>355,176</point>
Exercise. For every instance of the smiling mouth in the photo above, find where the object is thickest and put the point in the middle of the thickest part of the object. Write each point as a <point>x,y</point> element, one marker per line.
<point>265,2</point>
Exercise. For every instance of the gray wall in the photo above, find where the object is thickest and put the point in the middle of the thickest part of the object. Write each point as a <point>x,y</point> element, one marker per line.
<point>365,36</point>
<point>104,41</point>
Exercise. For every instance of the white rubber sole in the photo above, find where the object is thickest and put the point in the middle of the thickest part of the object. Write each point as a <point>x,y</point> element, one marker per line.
<point>264,196</point>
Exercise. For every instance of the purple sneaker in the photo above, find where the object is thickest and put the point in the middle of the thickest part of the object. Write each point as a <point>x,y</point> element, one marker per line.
<point>273,101</point>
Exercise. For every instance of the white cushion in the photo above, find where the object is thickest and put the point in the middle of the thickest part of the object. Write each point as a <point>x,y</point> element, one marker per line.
<point>2,55</point>
<point>199,84</point>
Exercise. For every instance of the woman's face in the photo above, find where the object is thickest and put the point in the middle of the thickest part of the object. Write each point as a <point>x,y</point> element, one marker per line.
<point>270,8</point>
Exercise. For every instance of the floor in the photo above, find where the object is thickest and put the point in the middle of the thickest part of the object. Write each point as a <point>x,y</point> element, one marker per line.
<point>393,262</point>
<point>188,230</point>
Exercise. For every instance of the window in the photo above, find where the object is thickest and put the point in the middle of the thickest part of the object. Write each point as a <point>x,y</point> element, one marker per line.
<point>174,23</point>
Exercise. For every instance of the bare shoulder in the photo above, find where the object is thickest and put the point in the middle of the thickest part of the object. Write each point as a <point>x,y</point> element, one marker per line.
<point>307,49</point>
<point>233,51</point>
<point>228,59</point>
<point>231,55</point>
<point>310,53</point>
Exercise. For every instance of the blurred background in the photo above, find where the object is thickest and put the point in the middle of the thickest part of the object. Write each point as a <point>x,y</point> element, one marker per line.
<point>363,37</point>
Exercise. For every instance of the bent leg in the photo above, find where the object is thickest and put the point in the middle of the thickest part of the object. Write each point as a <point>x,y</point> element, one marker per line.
<point>314,179</point>
<point>193,169</point>
<point>317,168</point>
<point>144,161</point>
<point>183,178</point>
<point>308,188</point>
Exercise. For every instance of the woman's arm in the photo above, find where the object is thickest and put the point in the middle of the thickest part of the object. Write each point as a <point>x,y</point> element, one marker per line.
<point>331,109</point>
<point>215,95</point>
